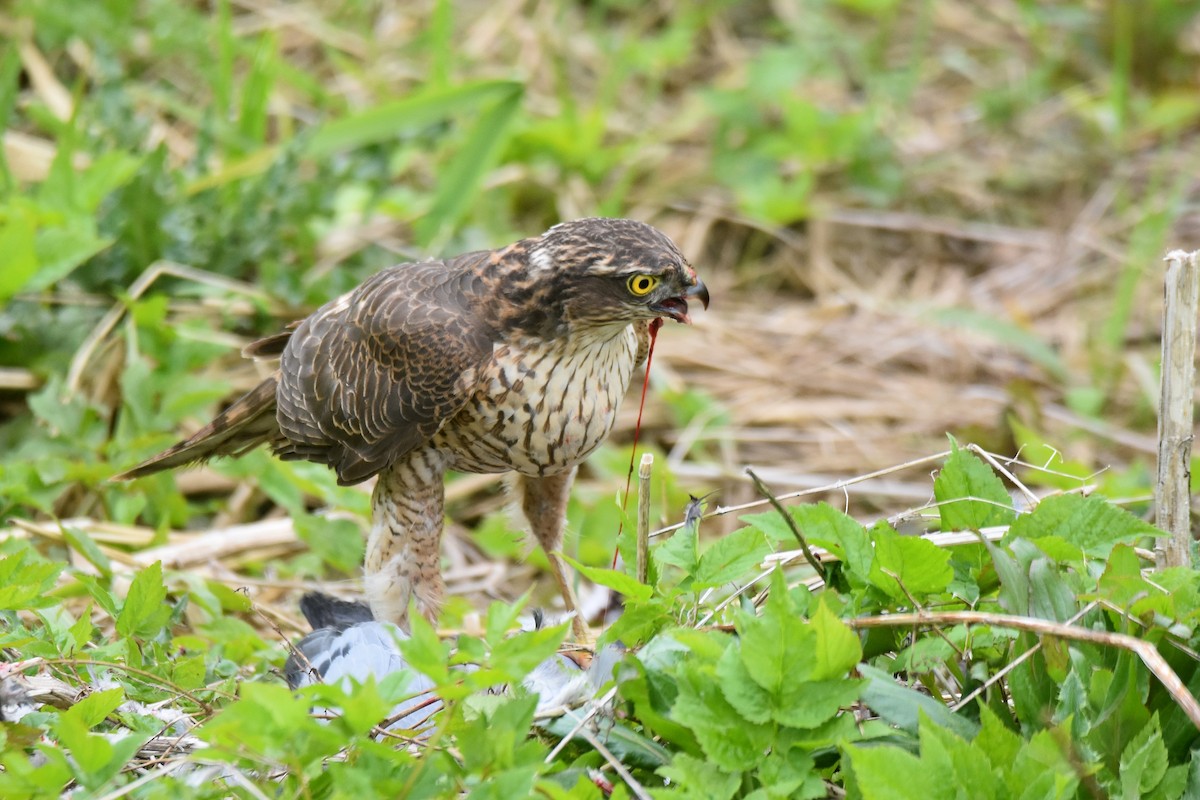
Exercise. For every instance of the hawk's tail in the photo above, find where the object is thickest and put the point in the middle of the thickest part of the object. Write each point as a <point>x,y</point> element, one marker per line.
<point>246,424</point>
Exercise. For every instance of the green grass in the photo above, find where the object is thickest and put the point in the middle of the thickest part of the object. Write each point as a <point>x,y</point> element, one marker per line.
<point>284,156</point>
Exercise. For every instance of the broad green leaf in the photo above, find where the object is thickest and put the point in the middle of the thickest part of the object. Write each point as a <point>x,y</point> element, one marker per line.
<point>1041,769</point>
<point>652,693</point>
<point>728,739</point>
<point>93,709</point>
<point>701,778</point>
<point>836,648</point>
<point>639,622</point>
<point>1143,761</point>
<point>807,704</point>
<point>24,582</point>
<point>91,752</point>
<point>424,651</point>
<point>968,763</point>
<point>799,703</point>
<point>751,700</point>
<point>1049,595</point>
<point>680,550</point>
<point>1090,523</point>
<point>619,582</point>
<point>1000,743</point>
<point>1014,582</point>
<point>18,233</point>
<point>969,494</point>
<point>518,654</point>
<point>731,558</point>
<point>837,532</point>
<point>890,773</point>
<point>62,248</point>
<point>921,566</point>
<point>777,647</point>
<point>901,706</point>
<point>144,611</point>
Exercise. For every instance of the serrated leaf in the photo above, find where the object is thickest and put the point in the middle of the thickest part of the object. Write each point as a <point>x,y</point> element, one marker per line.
<point>519,654</point>
<point>807,704</point>
<point>144,611</point>
<point>727,738</point>
<point>93,709</point>
<point>751,700</point>
<point>25,582</point>
<point>1092,524</point>
<point>680,550</point>
<point>836,648</point>
<point>836,531</point>
<point>890,773</point>
<point>1049,595</point>
<point>702,778</point>
<point>619,582</point>
<point>1000,743</point>
<point>424,651</point>
<point>969,494</point>
<point>777,647</point>
<point>1143,761</point>
<point>731,557</point>
<point>967,762</point>
<point>921,566</point>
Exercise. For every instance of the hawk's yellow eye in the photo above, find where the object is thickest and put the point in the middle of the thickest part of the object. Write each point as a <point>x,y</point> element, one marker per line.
<point>641,285</point>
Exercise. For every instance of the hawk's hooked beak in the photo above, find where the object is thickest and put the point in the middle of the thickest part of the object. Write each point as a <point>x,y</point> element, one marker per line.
<point>677,308</point>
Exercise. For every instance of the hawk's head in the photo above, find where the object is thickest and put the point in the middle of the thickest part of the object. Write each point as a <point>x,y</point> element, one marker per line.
<point>608,271</point>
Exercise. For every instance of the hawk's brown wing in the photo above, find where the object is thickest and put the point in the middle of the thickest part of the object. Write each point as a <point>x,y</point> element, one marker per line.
<point>372,375</point>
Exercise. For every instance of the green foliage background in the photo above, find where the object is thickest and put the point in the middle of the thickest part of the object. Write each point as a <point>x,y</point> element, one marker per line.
<point>257,159</point>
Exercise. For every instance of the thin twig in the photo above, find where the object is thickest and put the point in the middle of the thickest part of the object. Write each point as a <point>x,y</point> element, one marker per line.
<point>583,720</point>
<point>813,561</point>
<point>1142,648</point>
<point>1016,662</point>
<point>996,465</point>
<point>638,790</point>
<point>835,486</point>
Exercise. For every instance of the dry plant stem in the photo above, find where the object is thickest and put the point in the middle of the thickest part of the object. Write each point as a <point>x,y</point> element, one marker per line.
<point>831,487</point>
<point>643,519</point>
<point>638,790</point>
<point>1143,649</point>
<point>593,710</point>
<point>996,465</point>
<point>1171,495</point>
<point>1016,662</point>
<point>812,560</point>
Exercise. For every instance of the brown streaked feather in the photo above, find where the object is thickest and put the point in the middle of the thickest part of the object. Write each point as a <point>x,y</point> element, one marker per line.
<point>271,346</point>
<point>247,423</point>
<point>374,374</point>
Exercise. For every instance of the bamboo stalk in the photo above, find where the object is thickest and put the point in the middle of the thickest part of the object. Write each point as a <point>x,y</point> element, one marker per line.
<point>643,519</point>
<point>1171,492</point>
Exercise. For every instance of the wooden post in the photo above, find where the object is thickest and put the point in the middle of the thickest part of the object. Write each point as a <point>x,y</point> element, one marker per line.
<point>1172,495</point>
<point>643,519</point>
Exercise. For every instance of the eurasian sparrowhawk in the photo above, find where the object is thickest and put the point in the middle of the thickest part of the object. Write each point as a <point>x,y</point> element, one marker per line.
<point>508,360</point>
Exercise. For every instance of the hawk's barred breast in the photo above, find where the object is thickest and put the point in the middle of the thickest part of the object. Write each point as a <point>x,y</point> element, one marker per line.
<point>541,407</point>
